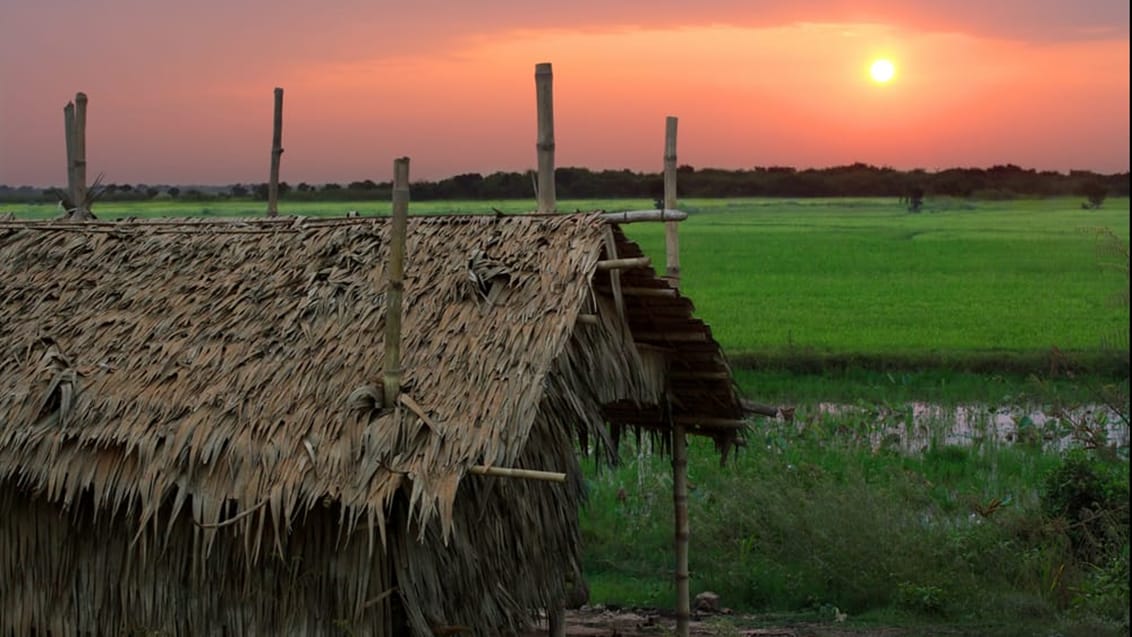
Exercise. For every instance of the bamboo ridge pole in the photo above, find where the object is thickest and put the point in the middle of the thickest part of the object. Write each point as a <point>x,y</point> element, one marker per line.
<point>391,375</point>
<point>544,96</point>
<point>671,228</point>
<point>276,155</point>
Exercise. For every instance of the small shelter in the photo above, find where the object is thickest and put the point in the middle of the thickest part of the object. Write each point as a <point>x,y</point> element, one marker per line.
<point>193,441</point>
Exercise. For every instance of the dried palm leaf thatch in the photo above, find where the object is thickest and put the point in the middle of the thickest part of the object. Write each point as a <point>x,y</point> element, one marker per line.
<point>202,399</point>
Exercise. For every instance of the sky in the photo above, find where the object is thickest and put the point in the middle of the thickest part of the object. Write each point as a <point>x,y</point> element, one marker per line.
<point>182,92</point>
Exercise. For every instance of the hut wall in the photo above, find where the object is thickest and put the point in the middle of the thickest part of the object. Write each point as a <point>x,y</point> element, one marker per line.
<point>68,572</point>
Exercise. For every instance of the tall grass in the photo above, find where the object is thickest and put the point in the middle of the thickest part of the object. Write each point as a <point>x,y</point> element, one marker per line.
<point>814,516</point>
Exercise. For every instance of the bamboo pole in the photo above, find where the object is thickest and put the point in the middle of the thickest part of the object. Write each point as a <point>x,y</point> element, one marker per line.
<point>556,622</point>
<point>528,474</point>
<point>80,202</point>
<point>671,228</point>
<point>391,375</point>
<point>634,216</point>
<point>544,96</point>
<point>680,502</point>
<point>276,154</point>
<point>634,291</point>
<point>617,264</point>
<point>69,135</point>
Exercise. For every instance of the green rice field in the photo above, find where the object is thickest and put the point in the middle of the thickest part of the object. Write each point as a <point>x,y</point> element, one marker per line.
<point>981,285</point>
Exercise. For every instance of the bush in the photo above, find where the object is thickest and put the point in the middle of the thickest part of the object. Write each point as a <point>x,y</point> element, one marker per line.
<point>1091,498</point>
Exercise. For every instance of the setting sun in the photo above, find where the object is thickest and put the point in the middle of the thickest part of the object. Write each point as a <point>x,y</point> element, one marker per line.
<point>882,71</point>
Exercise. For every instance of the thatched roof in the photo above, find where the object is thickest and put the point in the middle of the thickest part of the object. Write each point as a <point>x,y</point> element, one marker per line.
<point>228,366</point>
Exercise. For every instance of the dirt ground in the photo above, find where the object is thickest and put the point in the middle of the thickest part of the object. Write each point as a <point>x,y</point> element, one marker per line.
<point>599,622</point>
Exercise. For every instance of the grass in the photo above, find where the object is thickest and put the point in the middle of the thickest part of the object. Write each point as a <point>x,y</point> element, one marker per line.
<point>812,517</point>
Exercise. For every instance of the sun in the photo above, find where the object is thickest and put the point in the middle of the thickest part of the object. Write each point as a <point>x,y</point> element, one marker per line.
<point>882,71</point>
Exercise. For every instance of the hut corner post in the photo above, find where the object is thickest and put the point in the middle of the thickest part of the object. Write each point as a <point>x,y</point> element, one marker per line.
<point>391,374</point>
<point>544,95</point>
<point>671,228</point>
<point>276,154</point>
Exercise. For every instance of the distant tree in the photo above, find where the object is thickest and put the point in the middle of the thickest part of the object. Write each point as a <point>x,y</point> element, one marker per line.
<point>260,191</point>
<point>331,187</point>
<point>238,190</point>
<point>304,187</point>
<point>150,191</point>
<point>367,184</point>
<point>1095,192</point>
<point>173,191</point>
<point>915,199</point>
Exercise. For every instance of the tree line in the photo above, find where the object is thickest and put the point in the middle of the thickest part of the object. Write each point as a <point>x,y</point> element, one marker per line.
<point>855,180</point>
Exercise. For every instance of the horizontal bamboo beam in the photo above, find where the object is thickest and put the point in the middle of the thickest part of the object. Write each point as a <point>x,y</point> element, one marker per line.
<point>675,337</point>
<point>634,216</point>
<point>705,421</point>
<point>619,264</point>
<point>527,474</point>
<point>701,375</point>
<point>629,291</point>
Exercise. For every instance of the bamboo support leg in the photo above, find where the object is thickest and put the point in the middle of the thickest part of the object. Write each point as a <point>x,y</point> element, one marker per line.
<point>680,501</point>
<point>556,622</point>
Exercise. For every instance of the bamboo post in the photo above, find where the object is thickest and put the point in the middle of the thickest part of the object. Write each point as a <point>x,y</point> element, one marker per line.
<point>80,201</point>
<point>680,500</point>
<point>69,134</point>
<point>544,95</point>
<point>276,154</point>
<point>391,375</point>
<point>671,228</point>
<point>556,622</point>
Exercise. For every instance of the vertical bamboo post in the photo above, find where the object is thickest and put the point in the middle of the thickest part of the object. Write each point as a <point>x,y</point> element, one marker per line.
<point>69,134</point>
<point>671,228</point>
<point>556,622</point>
<point>680,502</point>
<point>276,154</point>
<point>80,201</point>
<point>544,95</point>
<point>391,375</point>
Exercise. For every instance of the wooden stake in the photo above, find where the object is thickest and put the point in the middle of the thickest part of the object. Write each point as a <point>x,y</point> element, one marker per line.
<point>69,134</point>
<point>544,96</point>
<point>276,154</point>
<point>671,228</point>
<point>391,375</point>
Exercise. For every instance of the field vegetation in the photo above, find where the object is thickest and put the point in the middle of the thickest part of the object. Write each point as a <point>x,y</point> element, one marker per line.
<point>861,509</point>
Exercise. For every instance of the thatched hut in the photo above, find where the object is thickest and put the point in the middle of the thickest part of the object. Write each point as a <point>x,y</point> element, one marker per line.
<point>192,439</point>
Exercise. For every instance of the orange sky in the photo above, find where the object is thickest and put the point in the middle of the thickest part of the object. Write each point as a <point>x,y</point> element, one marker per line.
<point>183,94</point>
